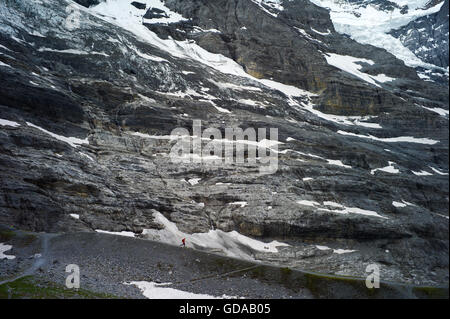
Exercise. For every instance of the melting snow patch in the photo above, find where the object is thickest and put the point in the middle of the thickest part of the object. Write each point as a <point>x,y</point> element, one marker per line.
<point>437,110</point>
<point>337,163</point>
<point>9,123</point>
<point>242,204</point>
<point>388,169</point>
<point>220,109</point>
<point>335,251</point>
<point>5,48</point>
<point>305,202</point>
<point>158,137</point>
<point>399,139</point>
<point>333,204</point>
<point>194,181</point>
<point>200,30</point>
<point>4,248</point>
<point>350,65</point>
<point>231,244</point>
<point>87,156</point>
<point>422,173</point>
<point>231,86</point>
<point>438,171</point>
<point>367,124</point>
<point>306,35</point>
<point>321,33</point>
<point>402,204</point>
<point>72,141</point>
<point>356,210</point>
<point>122,233</point>
<point>72,51</point>
<point>399,204</point>
<point>5,65</point>
<point>76,216</point>
<point>343,251</point>
<point>153,290</point>
<point>353,210</point>
<point>342,119</point>
<point>150,57</point>
<point>250,102</point>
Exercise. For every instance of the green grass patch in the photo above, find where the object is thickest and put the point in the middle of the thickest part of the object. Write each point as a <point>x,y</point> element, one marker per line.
<point>431,292</point>
<point>28,288</point>
<point>6,235</point>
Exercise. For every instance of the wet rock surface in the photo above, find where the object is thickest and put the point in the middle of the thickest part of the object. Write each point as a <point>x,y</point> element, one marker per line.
<point>101,84</point>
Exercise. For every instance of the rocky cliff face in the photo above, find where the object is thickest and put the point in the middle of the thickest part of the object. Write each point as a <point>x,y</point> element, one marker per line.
<point>86,108</point>
<point>391,24</point>
<point>271,47</point>
<point>427,37</point>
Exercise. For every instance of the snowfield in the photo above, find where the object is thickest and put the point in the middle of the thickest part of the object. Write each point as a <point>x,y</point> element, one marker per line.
<point>3,249</point>
<point>232,244</point>
<point>352,65</point>
<point>399,139</point>
<point>388,169</point>
<point>153,290</point>
<point>368,24</point>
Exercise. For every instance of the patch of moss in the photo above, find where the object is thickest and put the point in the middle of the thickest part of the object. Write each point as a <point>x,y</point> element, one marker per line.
<point>21,239</point>
<point>258,273</point>
<point>320,285</point>
<point>6,235</point>
<point>286,271</point>
<point>27,287</point>
<point>431,292</point>
<point>224,264</point>
<point>25,240</point>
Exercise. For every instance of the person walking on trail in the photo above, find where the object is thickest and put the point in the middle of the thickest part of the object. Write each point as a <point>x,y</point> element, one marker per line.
<point>183,242</point>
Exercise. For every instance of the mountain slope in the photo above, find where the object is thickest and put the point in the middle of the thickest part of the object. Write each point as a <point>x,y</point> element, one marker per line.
<point>375,22</point>
<point>427,37</point>
<point>86,111</point>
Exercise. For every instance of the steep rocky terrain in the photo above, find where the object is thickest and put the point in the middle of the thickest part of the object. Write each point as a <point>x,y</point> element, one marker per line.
<point>415,31</point>
<point>427,37</point>
<point>89,95</point>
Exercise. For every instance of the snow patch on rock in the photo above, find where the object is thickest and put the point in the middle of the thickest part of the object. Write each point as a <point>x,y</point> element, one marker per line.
<point>152,290</point>
<point>231,244</point>
<point>3,249</point>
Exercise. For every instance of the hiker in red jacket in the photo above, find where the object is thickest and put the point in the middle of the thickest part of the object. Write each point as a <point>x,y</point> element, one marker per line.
<point>183,242</point>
